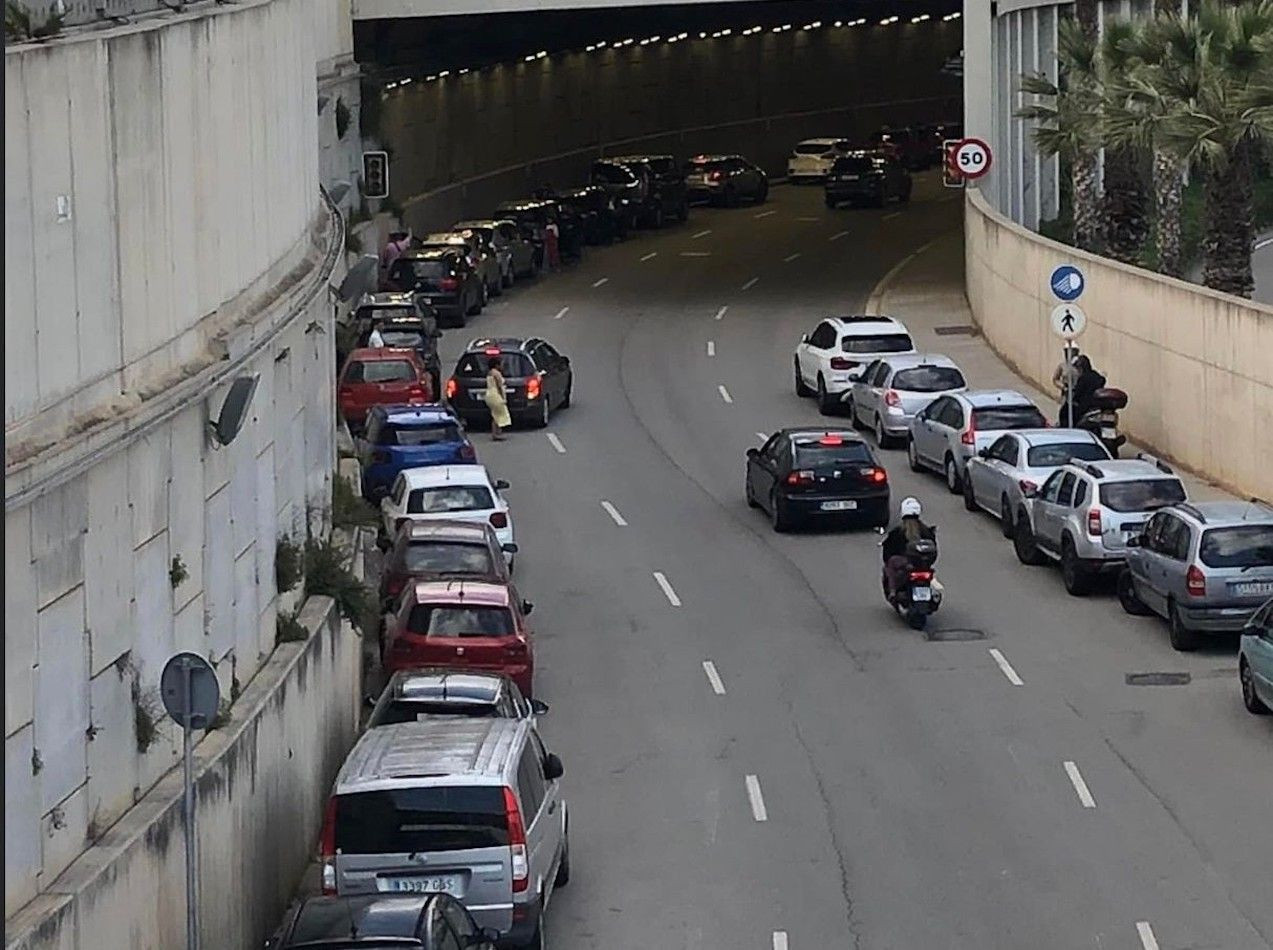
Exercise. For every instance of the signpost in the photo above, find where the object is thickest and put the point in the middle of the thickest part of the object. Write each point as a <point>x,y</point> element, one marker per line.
<point>1068,321</point>
<point>971,158</point>
<point>950,177</point>
<point>1067,283</point>
<point>192,696</point>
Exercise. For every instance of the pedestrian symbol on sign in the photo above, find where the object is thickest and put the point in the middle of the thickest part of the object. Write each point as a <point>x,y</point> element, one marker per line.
<point>1068,320</point>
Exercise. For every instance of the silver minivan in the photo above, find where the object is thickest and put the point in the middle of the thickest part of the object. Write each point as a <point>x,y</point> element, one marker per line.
<point>469,807</point>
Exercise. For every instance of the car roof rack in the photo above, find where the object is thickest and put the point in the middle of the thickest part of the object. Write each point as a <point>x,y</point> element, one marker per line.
<point>1192,510</point>
<point>1155,462</point>
<point>1094,470</point>
<point>1254,502</point>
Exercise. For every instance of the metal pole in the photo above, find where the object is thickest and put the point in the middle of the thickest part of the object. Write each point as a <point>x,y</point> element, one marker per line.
<point>192,905</point>
<point>1069,385</point>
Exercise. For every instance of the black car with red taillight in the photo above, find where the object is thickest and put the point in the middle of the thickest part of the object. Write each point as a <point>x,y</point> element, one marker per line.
<point>441,278</point>
<point>800,475</point>
<point>725,180</point>
<point>538,379</point>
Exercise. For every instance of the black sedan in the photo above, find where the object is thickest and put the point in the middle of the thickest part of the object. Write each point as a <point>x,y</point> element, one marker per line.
<point>867,178</point>
<point>725,180</point>
<point>804,474</point>
<point>537,377</point>
<point>599,218</point>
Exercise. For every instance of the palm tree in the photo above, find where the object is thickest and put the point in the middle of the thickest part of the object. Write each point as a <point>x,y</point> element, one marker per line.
<point>1067,123</point>
<point>1125,200</point>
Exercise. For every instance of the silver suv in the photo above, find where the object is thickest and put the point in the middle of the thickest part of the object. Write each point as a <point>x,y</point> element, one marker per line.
<point>1085,512</point>
<point>1205,567</point>
<point>469,807</point>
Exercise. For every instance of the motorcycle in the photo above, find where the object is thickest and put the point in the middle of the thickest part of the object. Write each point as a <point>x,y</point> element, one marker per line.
<point>1102,419</point>
<point>920,593</point>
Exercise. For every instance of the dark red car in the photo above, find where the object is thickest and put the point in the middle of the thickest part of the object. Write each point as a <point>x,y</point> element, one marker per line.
<point>441,551</point>
<point>462,625</point>
<point>381,376</point>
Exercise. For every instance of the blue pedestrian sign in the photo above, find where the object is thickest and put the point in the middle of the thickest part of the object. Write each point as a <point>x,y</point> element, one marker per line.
<point>1067,282</point>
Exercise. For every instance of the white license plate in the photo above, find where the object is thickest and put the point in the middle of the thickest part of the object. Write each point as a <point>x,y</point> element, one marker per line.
<point>850,177</point>
<point>1254,588</point>
<point>432,884</point>
<point>1108,432</point>
<point>921,593</point>
<point>839,505</point>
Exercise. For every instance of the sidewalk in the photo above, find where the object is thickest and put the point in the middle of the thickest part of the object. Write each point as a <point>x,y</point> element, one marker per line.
<point>926,291</point>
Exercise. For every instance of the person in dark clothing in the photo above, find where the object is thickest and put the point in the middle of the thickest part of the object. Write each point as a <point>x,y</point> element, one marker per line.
<point>1086,381</point>
<point>911,528</point>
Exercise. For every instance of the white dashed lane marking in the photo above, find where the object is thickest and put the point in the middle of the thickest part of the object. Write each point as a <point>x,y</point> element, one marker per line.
<point>838,235</point>
<point>713,677</point>
<point>757,800</point>
<point>561,313</point>
<point>764,214</point>
<point>556,443</point>
<point>1004,665</point>
<point>790,257</point>
<point>780,940</point>
<point>720,314</point>
<point>668,591</point>
<point>696,253</point>
<point>598,283</point>
<point>701,234</point>
<point>650,256</point>
<point>751,283</point>
<point>711,347</point>
<point>1146,932</point>
<point>890,217</point>
<point>613,512</point>
<point>724,393</point>
<point>1080,786</point>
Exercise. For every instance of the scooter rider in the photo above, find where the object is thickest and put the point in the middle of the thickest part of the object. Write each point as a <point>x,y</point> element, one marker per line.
<point>911,528</point>
<point>1086,381</point>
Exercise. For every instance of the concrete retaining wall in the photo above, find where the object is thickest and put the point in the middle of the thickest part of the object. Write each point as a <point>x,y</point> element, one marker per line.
<point>262,779</point>
<point>1196,364</point>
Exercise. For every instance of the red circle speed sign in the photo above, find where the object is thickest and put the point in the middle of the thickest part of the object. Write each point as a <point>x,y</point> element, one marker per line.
<point>970,158</point>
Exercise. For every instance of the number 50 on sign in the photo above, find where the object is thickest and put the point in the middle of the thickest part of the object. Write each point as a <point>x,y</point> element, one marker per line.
<point>970,158</point>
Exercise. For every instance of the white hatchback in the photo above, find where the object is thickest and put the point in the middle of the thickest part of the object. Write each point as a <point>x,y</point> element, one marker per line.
<point>813,158</point>
<point>448,493</point>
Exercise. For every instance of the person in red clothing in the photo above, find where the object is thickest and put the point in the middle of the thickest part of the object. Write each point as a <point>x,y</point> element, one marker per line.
<point>552,244</point>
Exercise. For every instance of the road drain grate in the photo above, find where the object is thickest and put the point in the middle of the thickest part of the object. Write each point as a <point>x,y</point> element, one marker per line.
<point>1158,679</point>
<point>942,635</point>
<point>958,329</point>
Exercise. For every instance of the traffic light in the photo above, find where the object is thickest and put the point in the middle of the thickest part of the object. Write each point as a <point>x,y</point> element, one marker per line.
<point>375,174</point>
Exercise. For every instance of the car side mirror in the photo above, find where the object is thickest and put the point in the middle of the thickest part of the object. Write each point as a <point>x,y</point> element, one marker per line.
<point>370,702</point>
<point>805,338</point>
<point>1134,541</point>
<point>983,453</point>
<point>501,484</point>
<point>1030,492</point>
<point>855,375</point>
<point>753,452</point>
<point>510,548</point>
<point>539,707</point>
<point>527,607</point>
<point>553,769</point>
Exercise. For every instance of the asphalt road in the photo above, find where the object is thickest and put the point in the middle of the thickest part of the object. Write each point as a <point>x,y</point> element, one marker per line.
<point>855,784</point>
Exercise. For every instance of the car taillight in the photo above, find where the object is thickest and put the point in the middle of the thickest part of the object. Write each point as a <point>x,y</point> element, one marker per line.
<point>467,452</point>
<point>875,474</point>
<point>715,176</point>
<point>1027,486</point>
<point>327,847</point>
<point>891,398</point>
<point>418,393</point>
<point>839,362</point>
<point>499,520</point>
<point>1195,581</point>
<point>516,842</point>
<point>516,650</point>
<point>448,284</point>
<point>533,387</point>
<point>452,387</point>
<point>379,457</point>
<point>1094,522</point>
<point>969,435</point>
<point>921,575</point>
<point>803,477</point>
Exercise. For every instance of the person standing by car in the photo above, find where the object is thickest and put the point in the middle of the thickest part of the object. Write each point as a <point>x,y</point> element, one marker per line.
<point>552,243</point>
<point>399,242</point>
<point>497,399</point>
<point>1064,372</point>
<point>1086,381</point>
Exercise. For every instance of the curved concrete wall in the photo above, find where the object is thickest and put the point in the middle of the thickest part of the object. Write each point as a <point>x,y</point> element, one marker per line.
<point>1196,364</point>
<point>502,130</point>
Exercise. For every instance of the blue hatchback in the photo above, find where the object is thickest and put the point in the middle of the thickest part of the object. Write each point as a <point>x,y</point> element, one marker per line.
<point>402,437</point>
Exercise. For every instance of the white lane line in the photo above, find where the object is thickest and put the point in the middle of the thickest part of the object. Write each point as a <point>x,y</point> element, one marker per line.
<point>1080,786</point>
<point>696,253</point>
<point>561,313</point>
<point>780,940</point>
<point>720,314</point>
<point>724,393</point>
<point>762,437</point>
<point>668,592</point>
<point>613,512</point>
<point>713,677</point>
<point>1008,671</point>
<point>890,217</point>
<point>790,257</point>
<point>556,443</point>
<point>701,234</point>
<point>598,283</point>
<point>808,219</point>
<point>1146,932</point>
<point>751,283</point>
<point>650,256</point>
<point>711,347</point>
<point>757,800</point>
<point>838,235</point>
<point>764,214</point>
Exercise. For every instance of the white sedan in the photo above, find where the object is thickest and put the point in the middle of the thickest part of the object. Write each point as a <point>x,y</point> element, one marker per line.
<point>812,159</point>
<point>448,493</point>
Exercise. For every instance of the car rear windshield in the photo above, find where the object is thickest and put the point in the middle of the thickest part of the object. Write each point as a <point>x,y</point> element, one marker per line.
<point>662,167</point>
<point>445,498</point>
<point>855,165</point>
<point>404,339</point>
<point>1147,494</point>
<point>998,418</point>
<point>812,148</point>
<point>817,455</point>
<point>447,557</point>
<point>514,365</point>
<point>434,434</point>
<point>451,620</point>
<point>410,710</point>
<point>928,379</point>
<point>1248,545</point>
<point>612,174</point>
<point>877,343</point>
<point>388,313</point>
<point>421,270</point>
<point>379,371</point>
<point>697,168</point>
<point>1058,453</point>
<point>410,820</point>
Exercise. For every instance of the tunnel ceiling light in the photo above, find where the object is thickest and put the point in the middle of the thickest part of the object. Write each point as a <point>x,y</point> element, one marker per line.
<point>839,23</point>
<point>777,29</point>
<point>920,19</point>
<point>951,16</point>
<point>463,71</point>
<point>391,85</point>
<point>786,26</point>
<point>816,24</point>
<point>441,75</point>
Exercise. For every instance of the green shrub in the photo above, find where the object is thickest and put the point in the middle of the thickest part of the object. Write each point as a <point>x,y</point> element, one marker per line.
<point>287,564</point>
<point>327,575</point>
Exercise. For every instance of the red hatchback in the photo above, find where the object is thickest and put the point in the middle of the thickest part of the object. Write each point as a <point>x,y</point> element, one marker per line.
<point>381,376</point>
<point>462,625</point>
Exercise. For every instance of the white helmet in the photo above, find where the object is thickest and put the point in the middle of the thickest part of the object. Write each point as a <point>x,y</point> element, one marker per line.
<point>910,508</point>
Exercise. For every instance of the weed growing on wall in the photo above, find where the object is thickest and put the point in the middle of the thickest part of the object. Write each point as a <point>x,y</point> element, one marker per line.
<point>348,509</point>
<point>342,118</point>
<point>177,573</point>
<point>288,562</point>
<point>327,575</point>
<point>289,629</point>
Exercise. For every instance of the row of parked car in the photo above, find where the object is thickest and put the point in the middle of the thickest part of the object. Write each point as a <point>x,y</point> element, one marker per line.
<point>1059,495</point>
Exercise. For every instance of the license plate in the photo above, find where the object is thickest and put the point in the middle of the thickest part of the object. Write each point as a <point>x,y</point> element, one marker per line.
<point>1108,432</point>
<point>477,393</point>
<point>921,593</point>
<point>850,177</point>
<point>432,884</point>
<point>839,505</point>
<point>1254,588</point>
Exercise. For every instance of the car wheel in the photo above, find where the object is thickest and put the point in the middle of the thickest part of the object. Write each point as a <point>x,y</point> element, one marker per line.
<point>563,867</point>
<point>1005,517</point>
<point>953,482</point>
<point>824,398</point>
<point>731,197</point>
<point>881,437</point>
<point>565,400</point>
<point>540,419</point>
<point>1023,543</point>
<point>1250,699</point>
<point>852,409</point>
<point>801,389</point>
<point>970,499</point>
<point>496,289</point>
<point>912,456</point>
<point>751,499</point>
<point>536,941</point>
<point>781,521</point>
<point>1127,595</point>
<point>763,195</point>
<point>683,214</point>
<point>1182,638</point>
<point>1078,580</point>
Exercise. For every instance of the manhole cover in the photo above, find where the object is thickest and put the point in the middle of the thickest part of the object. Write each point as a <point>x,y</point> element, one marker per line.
<point>1157,679</point>
<point>958,329</point>
<point>941,634</point>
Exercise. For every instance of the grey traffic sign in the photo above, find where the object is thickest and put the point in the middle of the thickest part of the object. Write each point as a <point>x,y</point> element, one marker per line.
<point>1067,283</point>
<point>190,691</point>
<point>1068,320</point>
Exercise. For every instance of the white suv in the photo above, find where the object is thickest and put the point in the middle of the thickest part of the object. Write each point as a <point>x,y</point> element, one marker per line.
<point>832,357</point>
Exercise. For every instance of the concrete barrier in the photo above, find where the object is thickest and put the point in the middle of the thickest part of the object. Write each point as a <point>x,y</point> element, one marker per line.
<point>1197,365</point>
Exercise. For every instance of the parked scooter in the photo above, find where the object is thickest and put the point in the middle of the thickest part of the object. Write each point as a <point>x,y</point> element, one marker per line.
<point>1102,419</point>
<point>920,593</point>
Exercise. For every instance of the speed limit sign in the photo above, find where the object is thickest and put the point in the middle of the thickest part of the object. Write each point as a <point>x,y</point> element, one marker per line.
<point>970,158</point>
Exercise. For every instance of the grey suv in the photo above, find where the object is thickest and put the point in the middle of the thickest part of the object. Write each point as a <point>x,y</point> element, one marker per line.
<point>468,807</point>
<point>1085,512</point>
<point>1205,567</point>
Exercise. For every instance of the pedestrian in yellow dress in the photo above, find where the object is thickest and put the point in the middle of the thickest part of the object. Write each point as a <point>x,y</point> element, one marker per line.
<point>497,399</point>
